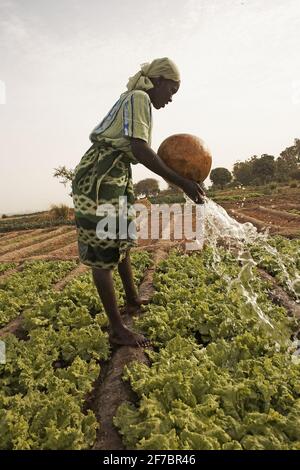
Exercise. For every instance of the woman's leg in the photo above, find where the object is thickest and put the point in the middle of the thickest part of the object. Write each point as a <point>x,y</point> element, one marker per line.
<point>133,301</point>
<point>120,334</point>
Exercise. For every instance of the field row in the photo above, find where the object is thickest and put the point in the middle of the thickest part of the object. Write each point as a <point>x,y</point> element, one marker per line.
<point>49,373</point>
<point>225,373</point>
<point>39,242</point>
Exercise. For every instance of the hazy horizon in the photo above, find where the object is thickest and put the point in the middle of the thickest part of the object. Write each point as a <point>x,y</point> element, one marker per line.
<point>65,63</point>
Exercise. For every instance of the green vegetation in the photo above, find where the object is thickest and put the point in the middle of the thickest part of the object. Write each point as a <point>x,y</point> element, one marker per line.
<point>24,288</point>
<point>262,170</point>
<point>221,376</point>
<point>46,379</point>
<point>240,196</point>
<point>24,224</point>
<point>220,177</point>
<point>294,211</point>
<point>5,267</point>
<point>58,212</point>
<point>30,214</point>
<point>286,268</point>
<point>147,187</point>
<point>167,199</point>
<point>58,215</point>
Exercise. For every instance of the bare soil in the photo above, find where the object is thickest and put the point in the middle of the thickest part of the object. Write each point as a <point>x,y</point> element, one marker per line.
<point>33,238</point>
<point>269,212</point>
<point>279,296</point>
<point>110,390</point>
<point>14,327</point>
<point>71,250</point>
<point>80,269</point>
<point>60,235</point>
<point>264,212</point>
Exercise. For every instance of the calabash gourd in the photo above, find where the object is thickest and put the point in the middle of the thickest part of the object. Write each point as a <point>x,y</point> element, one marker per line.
<point>186,154</point>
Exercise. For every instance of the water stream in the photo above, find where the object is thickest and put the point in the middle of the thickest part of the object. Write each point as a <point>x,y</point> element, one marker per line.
<point>221,229</point>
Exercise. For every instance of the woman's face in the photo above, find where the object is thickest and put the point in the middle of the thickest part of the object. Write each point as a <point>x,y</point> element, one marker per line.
<point>163,91</point>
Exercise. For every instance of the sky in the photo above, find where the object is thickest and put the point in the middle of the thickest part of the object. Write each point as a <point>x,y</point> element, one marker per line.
<point>64,63</point>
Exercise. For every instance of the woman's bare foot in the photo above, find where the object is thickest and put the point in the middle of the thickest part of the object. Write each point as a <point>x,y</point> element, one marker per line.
<point>125,337</point>
<point>133,305</point>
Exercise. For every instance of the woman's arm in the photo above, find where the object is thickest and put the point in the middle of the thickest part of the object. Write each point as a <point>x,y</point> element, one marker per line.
<point>145,155</point>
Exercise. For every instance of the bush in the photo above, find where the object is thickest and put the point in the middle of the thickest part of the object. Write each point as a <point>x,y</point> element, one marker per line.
<point>296,174</point>
<point>210,193</point>
<point>267,191</point>
<point>232,185</point>
<point>273,186</point>
<point>59,212</point>
<point>4,216</point>
<point>293,184</point>
<point>236,197</point>
<point>171,199</point>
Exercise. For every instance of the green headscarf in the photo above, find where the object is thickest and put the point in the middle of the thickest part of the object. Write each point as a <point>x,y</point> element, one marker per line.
<point>157,68</point>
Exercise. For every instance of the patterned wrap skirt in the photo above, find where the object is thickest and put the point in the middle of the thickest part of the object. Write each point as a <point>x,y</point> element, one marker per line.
<point>103,176</point>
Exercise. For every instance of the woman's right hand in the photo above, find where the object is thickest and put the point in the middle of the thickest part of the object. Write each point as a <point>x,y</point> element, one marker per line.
<point>194,191</point>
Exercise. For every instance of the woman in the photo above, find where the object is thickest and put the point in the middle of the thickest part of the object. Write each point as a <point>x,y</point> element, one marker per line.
<point>104,175</point>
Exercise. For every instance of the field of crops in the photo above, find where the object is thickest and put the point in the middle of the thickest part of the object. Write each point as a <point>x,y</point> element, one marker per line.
<point>53,361</point>
<point>219,375</point>
<point>279,210</point>
<point>224,368</point>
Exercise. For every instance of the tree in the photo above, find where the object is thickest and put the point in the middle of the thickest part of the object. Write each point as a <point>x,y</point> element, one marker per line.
<point>64,173</point>
<point>263,169</point>
<point>287,162</point>
<point>289,153</point>
<point>147,187</point>
<point>280,170</point>
<point>242,172</point>
<point>220,176</point>
<point>296,175</point>
<point>297,149</point>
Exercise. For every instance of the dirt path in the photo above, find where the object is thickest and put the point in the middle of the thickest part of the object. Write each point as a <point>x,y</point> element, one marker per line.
<point>71,249</point>
<point>282,214</point>
<point>279,296</point>
<point>269,211</point>
<point>14,327</point>
<point>259,224</point>
<point>110,390</point>
<point>61,234</point>
<point>29,240</point>
<point>7,236</point>
<point>272,216</point>
<point>55,244</point>
<point>8,273</point>
<point>74,273</point>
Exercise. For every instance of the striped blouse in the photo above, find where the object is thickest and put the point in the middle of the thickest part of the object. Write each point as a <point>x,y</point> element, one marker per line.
<point>131,116</point>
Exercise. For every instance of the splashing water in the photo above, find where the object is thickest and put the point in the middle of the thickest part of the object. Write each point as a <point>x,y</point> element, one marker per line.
<point>219,225</point>
<point>221,229</point>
